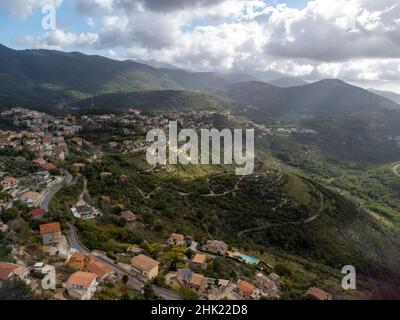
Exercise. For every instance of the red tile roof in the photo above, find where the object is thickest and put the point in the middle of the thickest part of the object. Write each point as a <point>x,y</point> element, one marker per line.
<point>50,228</point>
<point>81,278</point>
<point>6,269</point>
<point>98,268</point>
<point>36,212</point>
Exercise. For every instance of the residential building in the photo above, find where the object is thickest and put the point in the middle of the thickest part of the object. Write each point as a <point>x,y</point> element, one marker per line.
<point>9,182</point>
<point>81,285</point>
<point>199,261</point>
<point>267,286</point>
<point>177,239</point>
<point>216,246</point>
<point>9,271</point>
<point>145,267</point>
<point>51,233</point>
<point>318,294</point>
<point>198,283</point>
<point>101,270</point>
<point>29,197</point>
<point>36,214</point>
<point>128,216</point>
<point>79,261</point>
<point>247,291</point>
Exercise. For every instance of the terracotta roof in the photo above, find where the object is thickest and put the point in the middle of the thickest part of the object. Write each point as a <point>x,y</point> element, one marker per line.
<point>6,269</point>
<point>318,293</point>
<point>9,180</point>
<point>37,212</point>
<point>198,280</point>
<point>199,258</point>
<point>81,278</point>
<point>48,166</point>
<point>98,268</point>
<point>143,262</point>
<point>177,237</point>
<point>128,215</point>
<point>50,228</point>
<point>245,287</point>
<point>77,256</point>
<point>30,195</point>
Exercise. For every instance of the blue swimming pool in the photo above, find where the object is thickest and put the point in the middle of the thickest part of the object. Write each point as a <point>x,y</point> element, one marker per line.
<point>249,259</point>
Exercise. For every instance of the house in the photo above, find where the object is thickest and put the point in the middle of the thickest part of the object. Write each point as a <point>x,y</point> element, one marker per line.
<point>83,211</point>
<point>51,233</point>
<point>36,214</point>
<point>318,294</point>
<point>9,271</point>
<point>199,261</point>
<point>216,246</point>
<point>40,176</point>
<point>146,267</point>
<point>81,285</point>
<point>79,261</point>
<point>183,276</point>
<point>198,283</point>
<point>48,166</point>
<point>78,167</point>
<point>9,182</point>
<point>29,197</point>
<point>177,239</point>
<point>3,227</point>
<point>101,270</point>
<point>267,286</point>
<point>106,199</point>
<point>246,290</point>
<point>128,216</point>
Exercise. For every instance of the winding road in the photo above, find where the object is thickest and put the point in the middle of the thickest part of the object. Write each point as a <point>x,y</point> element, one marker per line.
<point>306,221</point>
<point>133,281</point>
<point>45,201</point>
<point>396,169</point>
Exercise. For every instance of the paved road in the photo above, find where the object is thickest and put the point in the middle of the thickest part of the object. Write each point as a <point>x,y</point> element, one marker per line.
<point>133,282</point>
<point>396,169</point>
<point>45,201</point>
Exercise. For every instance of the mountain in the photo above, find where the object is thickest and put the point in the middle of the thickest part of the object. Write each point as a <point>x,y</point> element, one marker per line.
<point>325,97</point>
<point>387,94</point>
<point>169,100</point>
<point>286,82</point>
<point>47,75</point>
<point>352,123</point>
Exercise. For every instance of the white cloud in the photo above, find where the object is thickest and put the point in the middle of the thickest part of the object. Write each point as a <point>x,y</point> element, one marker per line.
<point>24,8</point>
<point>352,39</point>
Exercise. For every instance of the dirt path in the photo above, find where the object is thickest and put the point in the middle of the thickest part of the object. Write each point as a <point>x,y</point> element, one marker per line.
<point>306,221</point>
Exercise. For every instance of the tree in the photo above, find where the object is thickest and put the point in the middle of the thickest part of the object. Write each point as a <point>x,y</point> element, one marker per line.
<point>125,279</point>
<point>16,289</point>
<point>148,292</point>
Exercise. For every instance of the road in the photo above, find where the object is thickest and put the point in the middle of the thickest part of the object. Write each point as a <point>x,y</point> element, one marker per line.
<point>396,169</point>
<point>306,221</point>
<point>45,201</point>
<point>133,282</point>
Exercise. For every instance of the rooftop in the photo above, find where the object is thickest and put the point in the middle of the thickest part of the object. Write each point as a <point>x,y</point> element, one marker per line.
<point>50,228</point>
<point>143,262</point>
<point>80,278</point>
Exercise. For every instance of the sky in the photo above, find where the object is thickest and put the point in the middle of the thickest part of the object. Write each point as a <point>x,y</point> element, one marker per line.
<point>354,40</point>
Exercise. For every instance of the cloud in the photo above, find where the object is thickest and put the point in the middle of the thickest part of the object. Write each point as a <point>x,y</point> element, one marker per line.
<point>23,8</point>
<point>351,39</point>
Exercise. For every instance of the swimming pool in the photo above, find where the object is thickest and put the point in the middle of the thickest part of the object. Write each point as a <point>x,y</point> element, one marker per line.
<point>248,259</point>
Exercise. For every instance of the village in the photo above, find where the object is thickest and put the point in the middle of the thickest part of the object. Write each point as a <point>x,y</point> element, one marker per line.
<point>60,266</point>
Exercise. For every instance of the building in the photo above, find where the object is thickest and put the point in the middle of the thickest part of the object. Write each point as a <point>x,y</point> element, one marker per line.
<point>81,285</point>
<point>198,283</point>
<point>36,214</point>
<point>216,246</point>
<point>51,233</point>
<point>79,261</point>
<point>9,182</point>
<point>128,216</point>
<point>145,267</point>
<point>318,294</point>
<point>177,239</point>
<point>101,270</point>
<point>267,286</point>
<point>9,271</point>
<point>29,197</point>
<point>246,290</point>
<point>183,276</point>
<point>199,261</point>
<point>83,211</point>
